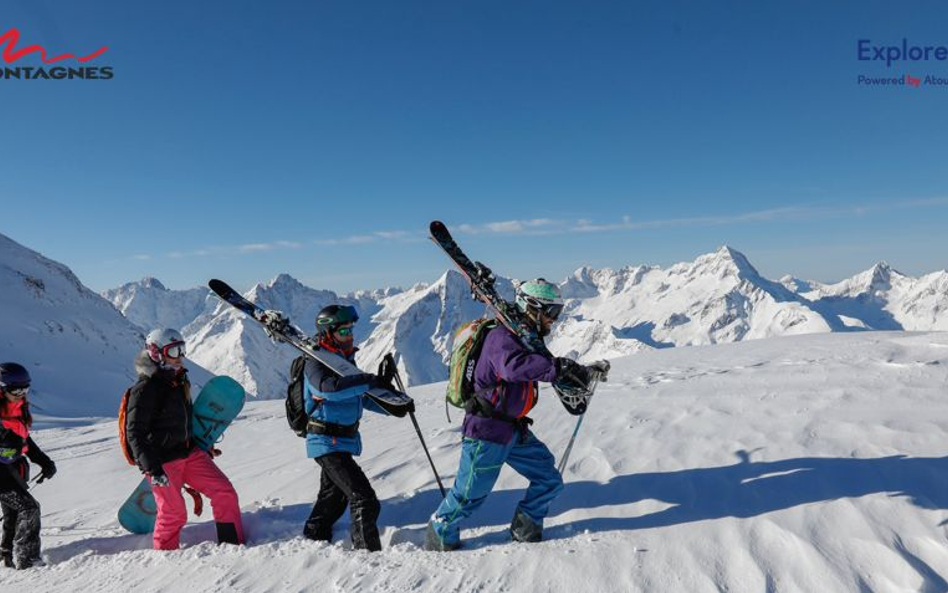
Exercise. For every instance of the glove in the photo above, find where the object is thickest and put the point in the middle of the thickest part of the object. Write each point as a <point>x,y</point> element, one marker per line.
<point>159,479</point>
<point>386,372</point>
<point>49,470</point>
<point>568,369</point>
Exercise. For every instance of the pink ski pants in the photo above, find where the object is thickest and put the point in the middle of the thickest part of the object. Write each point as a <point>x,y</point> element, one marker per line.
<point>200,472</point>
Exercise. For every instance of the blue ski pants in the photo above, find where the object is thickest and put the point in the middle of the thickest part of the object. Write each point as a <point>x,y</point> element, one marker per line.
<point>480,466</point>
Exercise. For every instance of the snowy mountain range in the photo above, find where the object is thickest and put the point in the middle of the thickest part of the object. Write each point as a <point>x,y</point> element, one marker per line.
<point>719,297</point>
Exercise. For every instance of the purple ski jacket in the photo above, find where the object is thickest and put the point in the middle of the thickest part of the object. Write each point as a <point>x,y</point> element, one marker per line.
<point>506,375</point>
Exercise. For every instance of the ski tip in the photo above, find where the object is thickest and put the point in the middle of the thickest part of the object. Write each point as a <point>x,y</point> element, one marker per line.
<point>219,287</point>
<point>436,225</point>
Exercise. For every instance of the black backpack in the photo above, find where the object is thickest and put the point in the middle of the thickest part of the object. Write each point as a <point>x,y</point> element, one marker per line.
<point>296,415</point>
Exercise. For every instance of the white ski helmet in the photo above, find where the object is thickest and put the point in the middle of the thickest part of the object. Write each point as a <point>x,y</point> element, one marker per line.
<point>164,343</point>
<point>539,296</point>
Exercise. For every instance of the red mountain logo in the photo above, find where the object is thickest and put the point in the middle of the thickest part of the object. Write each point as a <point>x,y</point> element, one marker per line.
<point>9,40</point>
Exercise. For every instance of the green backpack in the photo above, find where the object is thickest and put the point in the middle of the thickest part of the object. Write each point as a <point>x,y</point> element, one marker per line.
<point>468,341</point>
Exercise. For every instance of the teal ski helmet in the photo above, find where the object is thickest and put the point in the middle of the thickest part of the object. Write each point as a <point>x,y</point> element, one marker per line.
<point>539,296</point>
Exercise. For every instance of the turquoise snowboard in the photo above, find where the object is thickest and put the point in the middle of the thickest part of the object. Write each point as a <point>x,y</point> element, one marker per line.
<point>214,409</point>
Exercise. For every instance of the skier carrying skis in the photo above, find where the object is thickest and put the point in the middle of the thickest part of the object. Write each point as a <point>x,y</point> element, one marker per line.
<point>334,405</point>
<point>158,425</point>
<point>20,538</point>
<point>496,427</point>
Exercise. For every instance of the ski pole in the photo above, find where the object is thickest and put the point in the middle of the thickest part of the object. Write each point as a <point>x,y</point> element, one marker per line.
<point>414,421</point>
<point>572,439</point>
<point>569,447</point>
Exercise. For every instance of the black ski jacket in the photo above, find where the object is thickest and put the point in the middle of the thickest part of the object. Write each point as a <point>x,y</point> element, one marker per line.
<point>158,416</point>
<point>20,467</point>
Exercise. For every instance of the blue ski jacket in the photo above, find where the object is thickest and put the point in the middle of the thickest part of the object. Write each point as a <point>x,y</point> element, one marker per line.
<point>335,400</point>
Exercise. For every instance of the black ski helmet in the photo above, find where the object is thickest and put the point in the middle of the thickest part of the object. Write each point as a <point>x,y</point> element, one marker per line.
<point>13,376</point>
<point>331,317</point>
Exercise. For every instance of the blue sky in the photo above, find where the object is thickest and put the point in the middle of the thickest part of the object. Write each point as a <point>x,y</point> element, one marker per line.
<point>244,139</point>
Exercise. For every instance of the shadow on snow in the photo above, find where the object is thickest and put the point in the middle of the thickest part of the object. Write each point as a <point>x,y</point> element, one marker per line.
<point>744,489</point>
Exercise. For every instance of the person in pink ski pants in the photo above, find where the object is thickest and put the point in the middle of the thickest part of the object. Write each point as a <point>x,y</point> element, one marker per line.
<point>158,428</point>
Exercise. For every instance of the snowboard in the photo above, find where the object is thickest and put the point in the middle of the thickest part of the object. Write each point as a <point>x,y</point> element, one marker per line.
<point>279,328</point>
<point>219,402</point>
<point>571,392</point>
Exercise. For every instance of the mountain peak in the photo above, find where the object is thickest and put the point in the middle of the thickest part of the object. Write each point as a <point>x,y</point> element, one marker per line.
<point>150,282</point>
<point>284,280</point>
<point>728,252</point>
<point>728,259</point>
<point>879,276</point>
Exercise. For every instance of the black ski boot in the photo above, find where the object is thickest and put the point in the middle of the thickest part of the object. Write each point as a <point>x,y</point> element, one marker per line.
<point>227,534</point>
<point>317,533</point>
<point>524,529</point>
<point>6,557</point>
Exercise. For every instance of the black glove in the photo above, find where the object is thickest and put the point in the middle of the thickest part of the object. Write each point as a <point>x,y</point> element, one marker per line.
<point>569,370</point>
<point>49,470</point>
<point>386,372</point>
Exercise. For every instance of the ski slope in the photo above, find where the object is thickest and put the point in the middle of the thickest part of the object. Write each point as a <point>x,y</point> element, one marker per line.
<point>807,463</point>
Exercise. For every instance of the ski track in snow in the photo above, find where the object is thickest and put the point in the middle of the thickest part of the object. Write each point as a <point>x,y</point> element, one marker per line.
<point>808,463</point>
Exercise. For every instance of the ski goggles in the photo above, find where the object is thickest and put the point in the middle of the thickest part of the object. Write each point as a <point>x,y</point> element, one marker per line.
<point>17,391</point>
<point>174,350</point>
<point>344,331</point>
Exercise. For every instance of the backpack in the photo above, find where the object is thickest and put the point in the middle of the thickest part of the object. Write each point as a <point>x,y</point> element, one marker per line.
<point>296,415</point>
<point>468,342</point>
<point>123,433</point>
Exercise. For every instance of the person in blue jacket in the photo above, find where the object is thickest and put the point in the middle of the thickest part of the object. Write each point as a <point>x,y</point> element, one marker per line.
<point>334,405</point>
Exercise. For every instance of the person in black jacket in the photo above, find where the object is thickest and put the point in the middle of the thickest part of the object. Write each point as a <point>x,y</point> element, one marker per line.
<point>20,538</point>
<point>158,426</point>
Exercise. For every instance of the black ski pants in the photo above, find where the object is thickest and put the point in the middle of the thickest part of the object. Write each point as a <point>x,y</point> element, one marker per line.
<point>341,483</point>
<point>21,525</point>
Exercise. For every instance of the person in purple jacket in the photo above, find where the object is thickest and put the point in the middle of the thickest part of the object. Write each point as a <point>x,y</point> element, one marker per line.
<point>496,427</point>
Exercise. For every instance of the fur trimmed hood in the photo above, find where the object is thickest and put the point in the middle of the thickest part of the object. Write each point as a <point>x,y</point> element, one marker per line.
<point>144,365</point>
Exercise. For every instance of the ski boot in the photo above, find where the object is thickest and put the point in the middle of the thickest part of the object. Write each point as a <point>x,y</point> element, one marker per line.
<point>434,543</point>
<point>525,529</point>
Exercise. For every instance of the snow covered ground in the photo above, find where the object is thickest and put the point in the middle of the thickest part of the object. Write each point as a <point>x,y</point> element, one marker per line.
<point>808,463</point>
